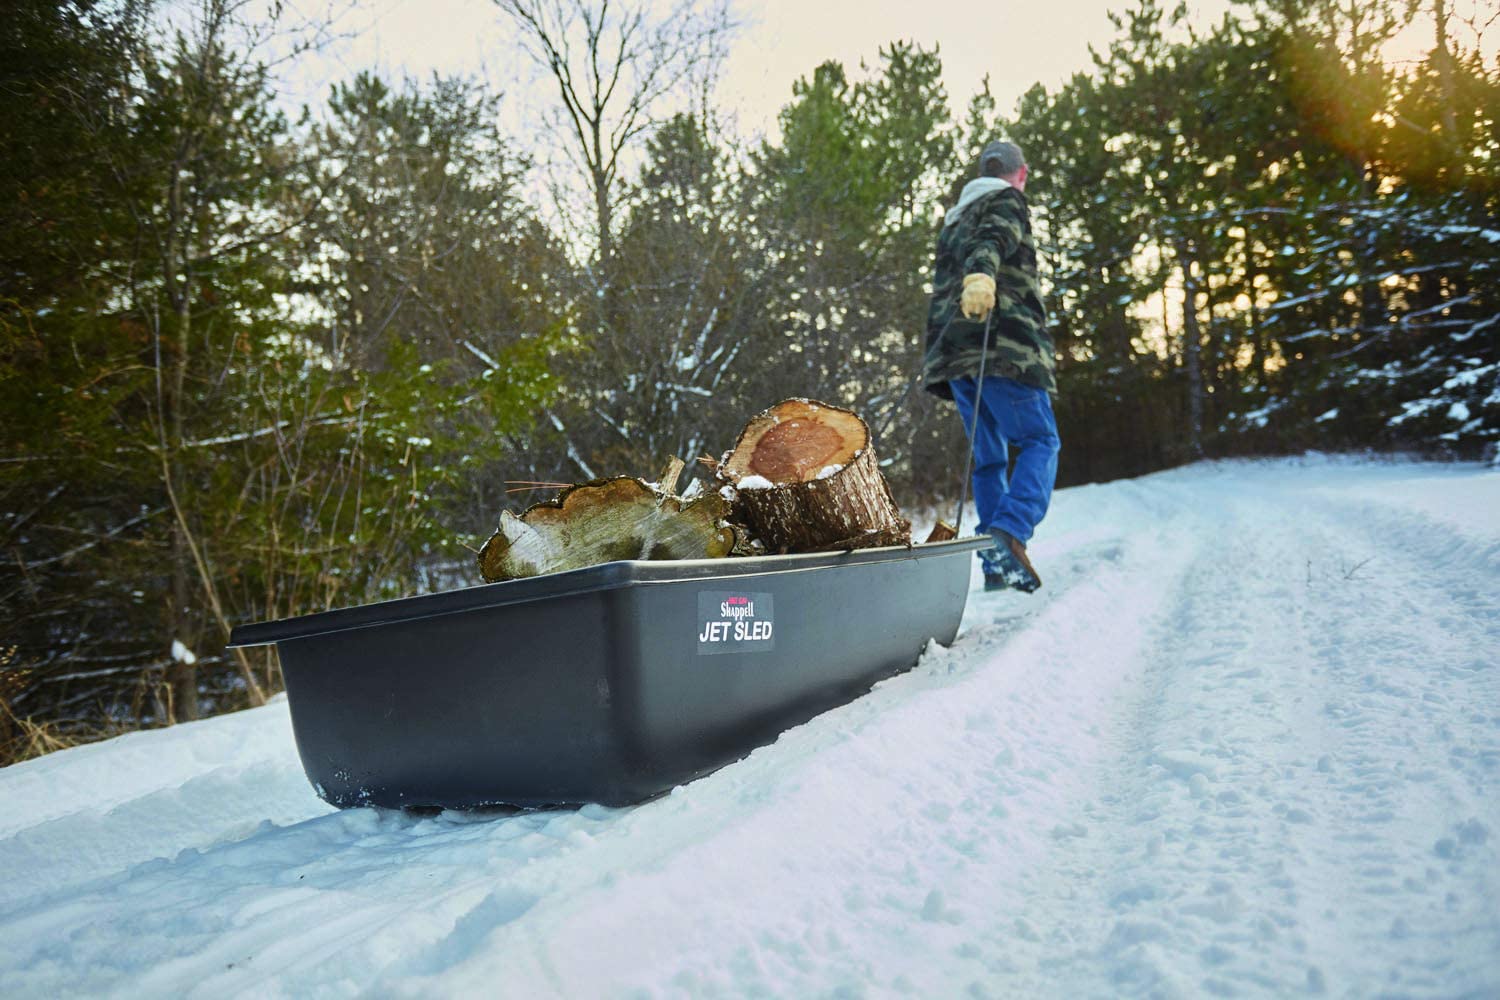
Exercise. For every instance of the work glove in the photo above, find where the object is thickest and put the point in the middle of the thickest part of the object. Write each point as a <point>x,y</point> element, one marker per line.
<point>979,295</point>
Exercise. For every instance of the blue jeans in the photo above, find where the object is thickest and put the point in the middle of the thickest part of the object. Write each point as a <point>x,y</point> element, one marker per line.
<point>1011,416</point>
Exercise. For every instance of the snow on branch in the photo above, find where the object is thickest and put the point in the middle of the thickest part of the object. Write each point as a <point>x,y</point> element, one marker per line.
<point>489,362</point>
<point>100,540</point>
<point>323,420</point>
<point>572,449</point>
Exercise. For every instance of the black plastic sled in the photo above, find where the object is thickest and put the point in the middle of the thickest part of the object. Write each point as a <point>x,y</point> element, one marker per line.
<point>609,684</point>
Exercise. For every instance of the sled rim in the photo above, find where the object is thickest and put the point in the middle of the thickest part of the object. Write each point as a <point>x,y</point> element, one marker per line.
<point>589,579</point>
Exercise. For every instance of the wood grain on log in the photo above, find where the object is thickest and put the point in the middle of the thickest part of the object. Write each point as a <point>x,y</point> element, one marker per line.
<point>806,480</point>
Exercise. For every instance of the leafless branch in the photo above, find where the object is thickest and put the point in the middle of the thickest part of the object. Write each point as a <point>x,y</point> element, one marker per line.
<point>637,63</point>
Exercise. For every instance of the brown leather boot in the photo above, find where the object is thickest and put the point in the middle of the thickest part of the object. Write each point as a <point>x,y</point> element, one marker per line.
<point>1006,566</point>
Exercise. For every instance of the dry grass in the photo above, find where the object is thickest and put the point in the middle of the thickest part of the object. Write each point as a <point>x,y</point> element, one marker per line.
<point>23,737</point>
<point>20,738</point>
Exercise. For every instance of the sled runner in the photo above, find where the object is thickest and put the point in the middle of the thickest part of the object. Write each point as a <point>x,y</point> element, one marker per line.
<point>607,684</point>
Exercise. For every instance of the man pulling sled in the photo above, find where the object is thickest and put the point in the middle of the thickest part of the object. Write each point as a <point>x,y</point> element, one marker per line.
<point>988,350</point>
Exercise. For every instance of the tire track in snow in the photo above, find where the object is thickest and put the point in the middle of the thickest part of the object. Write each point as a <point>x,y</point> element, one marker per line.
<point>220,806</point>
<point>1236,870</point>
<point>332,900</point>
<point>1419,606</point>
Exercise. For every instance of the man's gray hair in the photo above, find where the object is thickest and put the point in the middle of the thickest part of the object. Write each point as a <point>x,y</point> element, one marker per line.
<point>1001,159</point>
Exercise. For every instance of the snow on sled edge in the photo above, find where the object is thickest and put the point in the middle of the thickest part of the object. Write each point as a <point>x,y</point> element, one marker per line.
<point>608,684</point>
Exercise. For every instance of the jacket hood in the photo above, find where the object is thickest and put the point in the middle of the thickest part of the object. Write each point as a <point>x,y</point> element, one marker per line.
<point>972,192</point>
<point>975,189</point>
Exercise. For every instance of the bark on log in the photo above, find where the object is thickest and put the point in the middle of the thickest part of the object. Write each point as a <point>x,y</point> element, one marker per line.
<point>805,480</point>
<point>605,520</point>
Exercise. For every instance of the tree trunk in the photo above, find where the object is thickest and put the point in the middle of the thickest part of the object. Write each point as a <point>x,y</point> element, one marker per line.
<point>1446,91</point>
<point>182,676</point>
<point>806,480</point>
<point>1192,355</point>
<point>1372,302</point>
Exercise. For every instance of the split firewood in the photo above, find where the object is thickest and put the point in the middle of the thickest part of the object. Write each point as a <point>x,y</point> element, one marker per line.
<point>805,480</point>
<point>941,532</point>
<point>605,520</point>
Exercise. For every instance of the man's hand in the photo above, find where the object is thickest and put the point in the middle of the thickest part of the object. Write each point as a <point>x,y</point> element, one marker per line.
<point>979,296</point>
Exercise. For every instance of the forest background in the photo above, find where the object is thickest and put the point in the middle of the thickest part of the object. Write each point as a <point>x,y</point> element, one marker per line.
<point>256,364</point>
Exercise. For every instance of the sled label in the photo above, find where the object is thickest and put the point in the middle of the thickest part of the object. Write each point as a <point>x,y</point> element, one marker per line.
<point>735,621</point>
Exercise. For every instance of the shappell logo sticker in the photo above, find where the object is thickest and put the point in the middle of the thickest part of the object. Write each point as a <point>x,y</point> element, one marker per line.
<point>734,621</point>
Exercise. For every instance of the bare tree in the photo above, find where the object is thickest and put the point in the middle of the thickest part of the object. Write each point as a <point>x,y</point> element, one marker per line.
<point>621,69</point>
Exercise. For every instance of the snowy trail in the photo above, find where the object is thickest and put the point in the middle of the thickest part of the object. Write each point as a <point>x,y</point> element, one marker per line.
<point>1245,741</point>
<point>1289,795</point>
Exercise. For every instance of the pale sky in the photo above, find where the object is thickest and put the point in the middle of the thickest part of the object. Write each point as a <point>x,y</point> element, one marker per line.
<point>1017,44</point>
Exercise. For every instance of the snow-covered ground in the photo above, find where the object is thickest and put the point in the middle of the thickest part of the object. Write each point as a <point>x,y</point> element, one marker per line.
<point>1245,742</point>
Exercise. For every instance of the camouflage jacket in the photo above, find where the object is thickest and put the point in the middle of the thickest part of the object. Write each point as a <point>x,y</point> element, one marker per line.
<point>991,236</point>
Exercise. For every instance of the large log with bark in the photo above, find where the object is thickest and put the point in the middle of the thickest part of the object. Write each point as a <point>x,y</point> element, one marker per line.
<point>805,479</point>
<point>605,520</point>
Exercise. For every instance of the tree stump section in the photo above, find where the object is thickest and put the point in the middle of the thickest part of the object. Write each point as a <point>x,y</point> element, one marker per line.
<point>805,480</point>
<point>605,520</point>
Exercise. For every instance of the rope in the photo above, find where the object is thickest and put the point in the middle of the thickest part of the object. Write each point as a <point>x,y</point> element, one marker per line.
<point>963,486</point>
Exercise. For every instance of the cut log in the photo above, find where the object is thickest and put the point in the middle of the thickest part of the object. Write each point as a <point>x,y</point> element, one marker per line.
<point>941,532</point>
<point>605,520</point>
<point>805,480</point>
